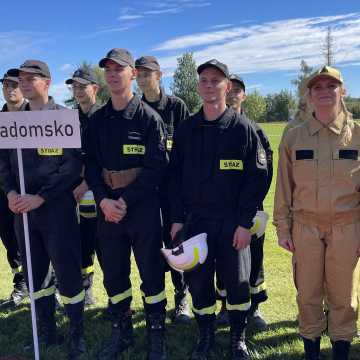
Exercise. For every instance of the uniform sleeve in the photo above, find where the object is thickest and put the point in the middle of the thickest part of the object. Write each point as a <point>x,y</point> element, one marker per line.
<point>7,177</point>
<point>93,169</point>
<point>254,187</point>
<point>283,192</point>
<point>66,176</point>
<point>269,155</point>
<point>182,113</point>
<point>154,163</point>
<point>175,169</point>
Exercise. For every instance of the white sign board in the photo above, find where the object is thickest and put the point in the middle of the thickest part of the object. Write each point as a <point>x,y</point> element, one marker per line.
<point>37,129</point>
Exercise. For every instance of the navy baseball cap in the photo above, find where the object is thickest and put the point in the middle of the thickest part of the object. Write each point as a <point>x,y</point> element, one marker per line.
<point>8,76</point>
<point>83,76</point>
<point>238,79</point>
<point>120,56</point>
<point>33,67</point>
<point>148,62</point>
<point>216,64</point>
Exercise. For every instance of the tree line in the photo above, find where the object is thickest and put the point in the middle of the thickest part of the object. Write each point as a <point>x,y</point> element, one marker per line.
<point>280,106</point>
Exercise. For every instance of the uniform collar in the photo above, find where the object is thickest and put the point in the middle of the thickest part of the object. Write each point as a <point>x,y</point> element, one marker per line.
<point>335,126</point>
<point>50,105</point>
<point>93,108</point>
<point>22,107</point>
<point>224,120</point>
<point>160,104</point>
<point>128,112</point>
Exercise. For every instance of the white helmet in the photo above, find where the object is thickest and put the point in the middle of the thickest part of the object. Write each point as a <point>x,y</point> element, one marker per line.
<point>259,223</point>
<point>189,254</point>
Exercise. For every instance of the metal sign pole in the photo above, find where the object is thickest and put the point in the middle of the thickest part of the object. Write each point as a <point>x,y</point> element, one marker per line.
<point>28,258</point>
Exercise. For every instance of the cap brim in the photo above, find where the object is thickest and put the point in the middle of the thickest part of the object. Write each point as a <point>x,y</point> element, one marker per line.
<point>103,61</point>
<point>202,67</point>
<point>10,78</point>
<point>319,76</point>
<point>153,67</point>
<point>239,82</point>
<point>79,80</point>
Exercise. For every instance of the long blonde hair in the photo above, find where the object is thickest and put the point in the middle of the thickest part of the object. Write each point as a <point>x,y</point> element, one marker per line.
<point>346,132</point>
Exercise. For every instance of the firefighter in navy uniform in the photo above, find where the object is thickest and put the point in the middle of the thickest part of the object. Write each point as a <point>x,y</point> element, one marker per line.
<point>235,98</point>
<point>50,175</point>
<point>14,102</point>
<point>126,158</point>
<point>172,110</point>
<point>85,87</point>
<point>218,171</point>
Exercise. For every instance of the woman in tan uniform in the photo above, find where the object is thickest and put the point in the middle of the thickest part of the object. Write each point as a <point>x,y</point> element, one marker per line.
<point>317,214</point>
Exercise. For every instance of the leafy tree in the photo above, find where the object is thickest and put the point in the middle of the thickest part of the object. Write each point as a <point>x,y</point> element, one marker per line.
<point>353,105</point>
<point>185,82</point>
<point>304,72</point>
<point>279,106</point>
<point>255,106</point>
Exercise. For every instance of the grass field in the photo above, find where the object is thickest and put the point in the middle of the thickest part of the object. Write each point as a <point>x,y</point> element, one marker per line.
<point>279,342</point>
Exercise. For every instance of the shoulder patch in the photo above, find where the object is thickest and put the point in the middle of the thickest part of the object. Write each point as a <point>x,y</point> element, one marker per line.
<point>261,157</point>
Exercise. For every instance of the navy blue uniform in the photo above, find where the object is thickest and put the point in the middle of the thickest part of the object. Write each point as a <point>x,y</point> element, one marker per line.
<point>53,227</point>
<point>123,140</point>
<point>7,232</point>
<point>172,111</point>
<point>257,277</point>
<point>219,175</point>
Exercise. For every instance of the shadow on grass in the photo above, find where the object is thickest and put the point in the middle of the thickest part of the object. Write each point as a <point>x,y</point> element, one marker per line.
<point>279,342</point>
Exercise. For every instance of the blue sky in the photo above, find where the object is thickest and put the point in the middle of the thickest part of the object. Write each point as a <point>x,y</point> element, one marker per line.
<point>264,41</point>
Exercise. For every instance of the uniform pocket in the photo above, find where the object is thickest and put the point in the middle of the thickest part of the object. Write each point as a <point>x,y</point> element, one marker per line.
<point>304,165</point>
<point>346,164</point>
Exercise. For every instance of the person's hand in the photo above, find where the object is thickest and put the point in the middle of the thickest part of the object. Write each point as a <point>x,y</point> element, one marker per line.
<point>27,202</point>
<point>175,228</point>
<point>242,238</point>
<point>80,191</point>
<point>112,209</point>
<point>287,244</point>
<point>12,198</point>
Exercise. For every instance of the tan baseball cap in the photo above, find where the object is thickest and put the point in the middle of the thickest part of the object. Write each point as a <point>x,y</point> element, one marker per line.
<point>325,71</point>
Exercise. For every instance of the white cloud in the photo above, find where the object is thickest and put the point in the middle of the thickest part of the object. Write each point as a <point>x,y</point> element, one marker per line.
<point>60,92</point>
<point>130,17</point>
<point>174,10</point>
<point>15,45</point>
<point>106,31</point>
<point>220,26</point>
<point>272,46</point>
<point>65,67</point>
<point>157,8</point>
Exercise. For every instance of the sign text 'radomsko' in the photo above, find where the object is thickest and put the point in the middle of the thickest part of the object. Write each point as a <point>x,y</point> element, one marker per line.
<point>33,129</point>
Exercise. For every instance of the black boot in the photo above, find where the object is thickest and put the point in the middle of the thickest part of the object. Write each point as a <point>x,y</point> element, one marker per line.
<point>239,349</point>
<point>88,280</point>
<point>20,291</point>
<point>76,341</point>
<point>205,343</point>
<point>155,324</point>
<point>312,349</point>
<point>222,318</point>
<point>121,336</point>
<point>46,323</point>
<point>182,312</point>
<point>340,350</point>
<point>255,318</point>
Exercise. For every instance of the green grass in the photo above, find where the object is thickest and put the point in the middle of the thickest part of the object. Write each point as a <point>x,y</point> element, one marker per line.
<point>279,342</point>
